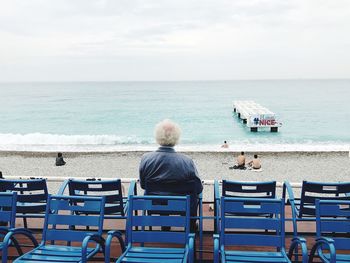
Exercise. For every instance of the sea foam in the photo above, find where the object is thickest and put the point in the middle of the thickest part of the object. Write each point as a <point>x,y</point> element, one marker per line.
<point>113,143</point>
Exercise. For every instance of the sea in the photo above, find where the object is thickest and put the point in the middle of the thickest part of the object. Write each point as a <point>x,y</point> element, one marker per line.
<point>120,116</point>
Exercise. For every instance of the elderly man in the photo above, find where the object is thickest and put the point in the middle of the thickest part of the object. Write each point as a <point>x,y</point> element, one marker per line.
<point>165,165</point>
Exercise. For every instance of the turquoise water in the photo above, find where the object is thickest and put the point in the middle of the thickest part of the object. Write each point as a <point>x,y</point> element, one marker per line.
<point>116,115</point>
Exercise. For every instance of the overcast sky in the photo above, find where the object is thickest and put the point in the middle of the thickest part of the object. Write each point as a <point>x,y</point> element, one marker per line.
<point>100,40</point>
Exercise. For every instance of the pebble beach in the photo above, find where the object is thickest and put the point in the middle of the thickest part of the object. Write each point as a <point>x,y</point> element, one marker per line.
<point>280,166</point>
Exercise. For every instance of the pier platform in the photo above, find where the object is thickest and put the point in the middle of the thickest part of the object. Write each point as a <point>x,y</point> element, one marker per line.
<point>255,116</point>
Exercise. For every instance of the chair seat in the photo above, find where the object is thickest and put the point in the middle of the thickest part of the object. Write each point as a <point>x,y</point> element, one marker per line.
<point>252,256</point>
<point>151,254</point>
<point>339,257</point>
<point>52,253</point>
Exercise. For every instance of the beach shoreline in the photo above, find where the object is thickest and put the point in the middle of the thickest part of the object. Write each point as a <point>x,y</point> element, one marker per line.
<point>184,151</point>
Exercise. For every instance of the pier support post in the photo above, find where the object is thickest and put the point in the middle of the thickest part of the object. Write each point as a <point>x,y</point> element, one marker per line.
<point>254,129</point>
<point>239,115</point>
<point>274,129</point>
<point>244,121</point>
<point>234,110</point>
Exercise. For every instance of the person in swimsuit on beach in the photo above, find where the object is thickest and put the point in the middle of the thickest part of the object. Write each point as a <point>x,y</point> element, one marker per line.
<point>225,145</point>
<point>255,163</point>
<point>240,162</point>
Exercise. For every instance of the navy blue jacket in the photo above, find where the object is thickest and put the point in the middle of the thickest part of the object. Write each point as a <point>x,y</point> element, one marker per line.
<point>166,165</point>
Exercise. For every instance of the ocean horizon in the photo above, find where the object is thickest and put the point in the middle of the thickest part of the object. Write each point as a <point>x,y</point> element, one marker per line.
<point>120,116</point>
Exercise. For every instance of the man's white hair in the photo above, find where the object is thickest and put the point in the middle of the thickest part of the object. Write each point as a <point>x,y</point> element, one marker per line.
<point>167,133</point>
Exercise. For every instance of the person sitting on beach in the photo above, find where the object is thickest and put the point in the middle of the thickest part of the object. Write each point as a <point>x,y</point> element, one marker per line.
<point>165,165</point>
<point>240,162</point>
<point>255,163</point>
<point>59,160</point>
<point>225,145</point>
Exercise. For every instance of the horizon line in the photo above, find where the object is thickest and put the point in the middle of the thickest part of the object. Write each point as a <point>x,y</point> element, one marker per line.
<point>192,80</point>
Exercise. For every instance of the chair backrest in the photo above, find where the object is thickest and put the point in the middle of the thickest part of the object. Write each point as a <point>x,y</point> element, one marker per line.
<point>111,190</point>
<point>174,188</point>
<point>241,226</point>
<point>71,218</point>
<point>333,220</point>
<point>139,219</point>
<point>31,194</point>
<point>249,189</point>
<point>8,208</point>
<point>311,191</point>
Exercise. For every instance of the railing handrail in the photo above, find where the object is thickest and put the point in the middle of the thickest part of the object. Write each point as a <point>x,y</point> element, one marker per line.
<point>58,179</point>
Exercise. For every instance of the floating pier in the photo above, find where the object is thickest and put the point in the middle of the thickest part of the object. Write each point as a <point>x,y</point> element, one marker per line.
<point>255,116</point>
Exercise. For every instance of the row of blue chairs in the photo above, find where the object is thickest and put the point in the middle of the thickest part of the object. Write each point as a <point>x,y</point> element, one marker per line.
<point>32,195</point>
<point>327,204</point>
<point>80,219</point>
<point>254,215</point>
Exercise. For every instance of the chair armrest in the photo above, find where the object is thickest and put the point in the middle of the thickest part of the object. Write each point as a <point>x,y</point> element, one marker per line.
<point>216,190</point>
<point>131,191</point>
<point>132,188</point>
<point>190,246</point>
<point>95,238</point>
<point>216,207</point>
<point>320,241</point>
<point>287,189</point>
<point>10,237</point>
<point>216,248</point>
<point>299,241</point>
<point>110,236</point>
<point>63,187</point>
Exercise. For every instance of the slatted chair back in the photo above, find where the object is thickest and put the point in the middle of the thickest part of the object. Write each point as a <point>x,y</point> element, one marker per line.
<point>249,189</point>
<point>111,190</point>
<point>8,209</point>
<point>31,194</point>
<point>240,225</point>
<point>333,220</point>
<point>71,218</point>
<point>142,226</point>
<point>177,188</point>
<point>311,191</point>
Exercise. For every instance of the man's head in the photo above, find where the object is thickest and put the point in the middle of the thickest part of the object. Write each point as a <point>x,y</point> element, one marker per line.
<point>59,155</point>
<point>255,156</point>
<point>167,133</point>
<point>242,153</point>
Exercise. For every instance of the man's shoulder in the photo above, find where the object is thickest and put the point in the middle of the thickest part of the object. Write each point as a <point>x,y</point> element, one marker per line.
<point>175,155</point>
<point>184,156</point>
<point>147,155</point>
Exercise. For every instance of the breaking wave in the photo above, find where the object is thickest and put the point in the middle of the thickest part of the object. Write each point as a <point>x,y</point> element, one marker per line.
<point>106,143</point>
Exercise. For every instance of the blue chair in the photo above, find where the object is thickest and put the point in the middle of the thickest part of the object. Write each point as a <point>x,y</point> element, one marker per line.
<point>116,204</point>
<point>304,208</point>
<point>333,228</point>
<point>179,188</point>
<point>240,190</point>
<point>65,220</point>
<point>8,218</point>
<point>141,229</point>
<point>31,197</point>
<point>237,228</point>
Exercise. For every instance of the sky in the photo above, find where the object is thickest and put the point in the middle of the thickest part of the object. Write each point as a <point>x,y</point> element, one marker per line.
<point>147,40</point>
